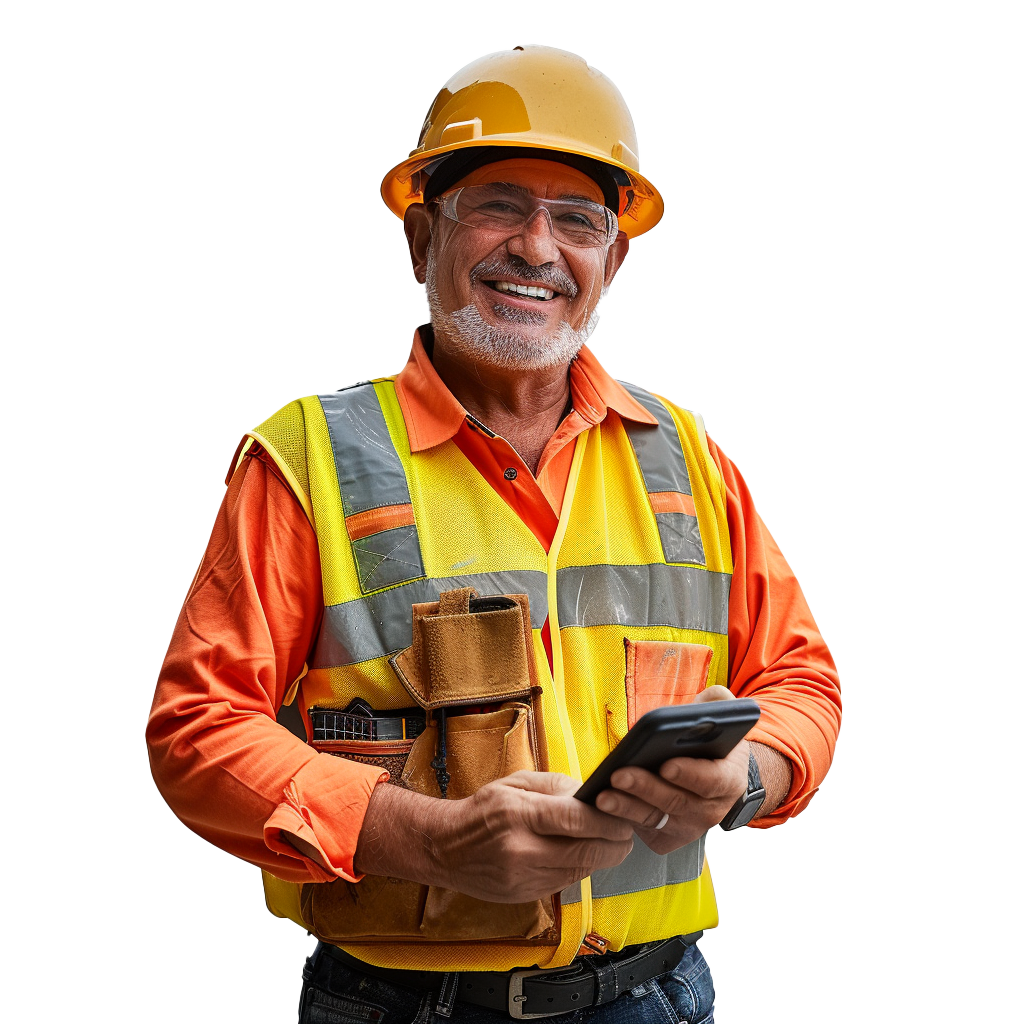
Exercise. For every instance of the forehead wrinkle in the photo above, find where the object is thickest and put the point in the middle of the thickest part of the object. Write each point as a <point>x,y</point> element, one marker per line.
<point>522,190</point>
<point>519,190</point>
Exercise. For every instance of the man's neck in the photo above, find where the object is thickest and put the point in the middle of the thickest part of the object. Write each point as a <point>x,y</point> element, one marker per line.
<point>524,407</point>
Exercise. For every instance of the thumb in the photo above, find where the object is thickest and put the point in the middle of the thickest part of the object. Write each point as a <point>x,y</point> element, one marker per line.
<point>549,783</point>
<point>714,693</point>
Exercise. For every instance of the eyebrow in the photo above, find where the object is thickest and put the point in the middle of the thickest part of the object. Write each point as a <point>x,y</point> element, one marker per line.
<point>570,197</point>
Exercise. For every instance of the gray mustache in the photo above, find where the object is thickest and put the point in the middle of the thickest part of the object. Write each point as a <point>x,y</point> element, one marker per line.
<point>513,266</point>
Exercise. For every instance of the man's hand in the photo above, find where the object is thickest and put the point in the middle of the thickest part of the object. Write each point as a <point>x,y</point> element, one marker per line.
<point>695,793</point>
<point>520,838</point>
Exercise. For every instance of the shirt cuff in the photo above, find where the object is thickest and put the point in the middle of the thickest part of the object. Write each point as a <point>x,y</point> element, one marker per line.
<point>324,805</point>
<point>802,788</point>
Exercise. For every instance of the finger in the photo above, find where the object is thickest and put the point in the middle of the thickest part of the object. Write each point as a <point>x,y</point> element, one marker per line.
<point>593,855</point>
<point>714,693</point>
<point>612,853</point>
<point>706,779</point>
<point>630,807</point>
<point>556,812</point>
<point>567,816</point>
<point>551,783</point>
<point>653,792</point>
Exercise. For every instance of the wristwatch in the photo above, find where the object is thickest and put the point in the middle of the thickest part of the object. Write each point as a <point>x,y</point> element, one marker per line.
<point>750,803</point>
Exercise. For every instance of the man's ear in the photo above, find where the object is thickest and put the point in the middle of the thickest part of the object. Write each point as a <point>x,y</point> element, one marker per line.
<point>616,254</point>
<point>417,233</point>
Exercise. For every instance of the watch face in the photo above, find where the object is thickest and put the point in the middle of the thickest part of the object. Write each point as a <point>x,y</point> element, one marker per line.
<point>748,805</point>
<point>744,810</point>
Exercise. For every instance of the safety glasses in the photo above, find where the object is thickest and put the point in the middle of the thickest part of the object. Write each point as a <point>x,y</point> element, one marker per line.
<point>500,206</point>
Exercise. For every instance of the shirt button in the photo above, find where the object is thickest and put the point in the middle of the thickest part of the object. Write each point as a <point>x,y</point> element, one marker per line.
<point>510,473</point>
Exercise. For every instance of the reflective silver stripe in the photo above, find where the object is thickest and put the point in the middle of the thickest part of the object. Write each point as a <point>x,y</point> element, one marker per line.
<point>380,624</point>
<point>573,894</point>
<point>389,557</point>
<point>663,466</point>
<point>643,869</point>
<point>644,595</point>
<point>680,537</point>
<point>371,475</point>
<point>657,450</point>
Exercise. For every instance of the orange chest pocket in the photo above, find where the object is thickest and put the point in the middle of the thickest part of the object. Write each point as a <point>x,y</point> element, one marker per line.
<point>660,672</point>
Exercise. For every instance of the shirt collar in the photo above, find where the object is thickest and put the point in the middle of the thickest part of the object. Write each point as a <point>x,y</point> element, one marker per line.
<point>434,415</point>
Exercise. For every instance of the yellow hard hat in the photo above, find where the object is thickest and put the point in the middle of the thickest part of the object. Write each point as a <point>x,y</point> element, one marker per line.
<point>537,98</point>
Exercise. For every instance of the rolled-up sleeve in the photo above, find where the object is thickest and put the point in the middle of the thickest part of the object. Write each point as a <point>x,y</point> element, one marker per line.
<point>220,759</point>
<point>776,653</point>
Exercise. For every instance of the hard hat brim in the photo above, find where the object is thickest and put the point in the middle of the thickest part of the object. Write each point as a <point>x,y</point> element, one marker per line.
<point>403,185</point>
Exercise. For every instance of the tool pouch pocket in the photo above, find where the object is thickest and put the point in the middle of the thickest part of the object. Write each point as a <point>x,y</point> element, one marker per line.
<point>471,669</point>
<point>389,755</point>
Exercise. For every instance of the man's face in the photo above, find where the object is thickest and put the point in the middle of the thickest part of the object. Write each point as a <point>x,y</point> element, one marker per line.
<point>473,274</point>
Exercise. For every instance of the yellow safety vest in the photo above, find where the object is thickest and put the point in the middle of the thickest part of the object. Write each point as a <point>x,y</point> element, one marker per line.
<point>641,556</point>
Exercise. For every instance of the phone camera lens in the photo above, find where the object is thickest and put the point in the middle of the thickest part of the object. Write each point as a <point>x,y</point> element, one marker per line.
<point>699,731</point>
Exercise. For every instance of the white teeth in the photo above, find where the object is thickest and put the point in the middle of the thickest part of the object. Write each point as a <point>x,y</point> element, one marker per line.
<point>531,291</point>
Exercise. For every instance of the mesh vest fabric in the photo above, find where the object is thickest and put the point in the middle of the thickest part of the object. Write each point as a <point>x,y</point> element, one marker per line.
<point>604,584</point>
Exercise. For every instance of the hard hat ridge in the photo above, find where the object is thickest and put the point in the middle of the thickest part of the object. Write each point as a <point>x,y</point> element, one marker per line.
<point>532,98</point>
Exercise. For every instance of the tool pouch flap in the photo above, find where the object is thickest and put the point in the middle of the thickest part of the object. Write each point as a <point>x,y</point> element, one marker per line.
<point>468,650</point>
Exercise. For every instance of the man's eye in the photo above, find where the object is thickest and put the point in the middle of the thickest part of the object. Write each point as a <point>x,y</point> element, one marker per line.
<point>499,207</point>
<point>580,219</point>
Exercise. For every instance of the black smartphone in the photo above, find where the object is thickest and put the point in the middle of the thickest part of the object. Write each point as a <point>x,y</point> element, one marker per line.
<point>707,730</point>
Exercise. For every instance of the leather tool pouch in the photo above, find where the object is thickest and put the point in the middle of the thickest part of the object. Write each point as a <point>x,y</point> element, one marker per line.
<point>471,668</point>
<point>391,755</point>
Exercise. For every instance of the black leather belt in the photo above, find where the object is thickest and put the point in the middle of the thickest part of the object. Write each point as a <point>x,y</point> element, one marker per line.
<point>525,994</point>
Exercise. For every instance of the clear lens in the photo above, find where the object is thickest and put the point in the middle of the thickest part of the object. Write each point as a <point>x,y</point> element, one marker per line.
<point>503,207</point>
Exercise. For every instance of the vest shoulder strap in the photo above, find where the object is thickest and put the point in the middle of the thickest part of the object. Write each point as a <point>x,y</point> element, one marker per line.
<point>283,437</point>
<point>375,497</point>
<point>660,452</point>
<point>371,478</point>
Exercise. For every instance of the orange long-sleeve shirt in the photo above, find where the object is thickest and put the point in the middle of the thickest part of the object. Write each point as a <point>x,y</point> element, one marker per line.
<point>249,622</point>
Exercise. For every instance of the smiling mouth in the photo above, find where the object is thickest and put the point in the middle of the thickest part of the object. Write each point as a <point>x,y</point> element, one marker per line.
<point>522,291</point>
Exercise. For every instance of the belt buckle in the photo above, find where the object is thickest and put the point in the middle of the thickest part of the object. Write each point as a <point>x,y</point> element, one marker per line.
<point>516,997</point>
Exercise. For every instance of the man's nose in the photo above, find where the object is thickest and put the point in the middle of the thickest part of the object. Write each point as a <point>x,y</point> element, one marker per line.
<point>534,242</point>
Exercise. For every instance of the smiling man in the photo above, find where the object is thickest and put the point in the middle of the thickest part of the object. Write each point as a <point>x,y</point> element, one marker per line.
<point>515,260</point>
<point>469,580</point>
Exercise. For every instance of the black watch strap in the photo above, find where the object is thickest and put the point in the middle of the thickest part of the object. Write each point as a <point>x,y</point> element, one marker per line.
<point>743,811</point>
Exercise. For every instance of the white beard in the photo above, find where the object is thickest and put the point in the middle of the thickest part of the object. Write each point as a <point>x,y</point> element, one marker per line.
<point>469,335</point>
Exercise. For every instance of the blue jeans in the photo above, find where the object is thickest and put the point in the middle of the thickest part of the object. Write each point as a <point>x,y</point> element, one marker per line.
<point>333,993</point>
